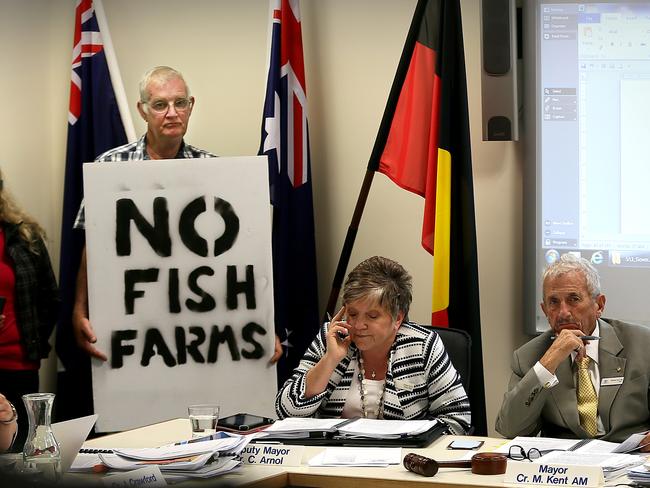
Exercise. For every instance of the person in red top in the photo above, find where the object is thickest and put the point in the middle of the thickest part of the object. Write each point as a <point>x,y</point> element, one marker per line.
<point>30,295</point>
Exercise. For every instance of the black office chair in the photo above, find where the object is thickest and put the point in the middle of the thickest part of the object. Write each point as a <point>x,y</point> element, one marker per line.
<point>458,344</point>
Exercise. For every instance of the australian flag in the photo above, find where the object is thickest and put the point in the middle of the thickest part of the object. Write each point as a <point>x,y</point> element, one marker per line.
<point>94,126</point>
<point>285,140</point>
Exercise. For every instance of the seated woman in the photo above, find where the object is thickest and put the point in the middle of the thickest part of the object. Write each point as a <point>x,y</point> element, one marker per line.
<point>370,361</point>
<point>8,423</point>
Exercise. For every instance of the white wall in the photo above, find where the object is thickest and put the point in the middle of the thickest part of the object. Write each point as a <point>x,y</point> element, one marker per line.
<point>351,51</point>
<point>35,54</point>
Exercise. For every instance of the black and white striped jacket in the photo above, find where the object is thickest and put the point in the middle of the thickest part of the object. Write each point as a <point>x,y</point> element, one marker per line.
<point>420,382</point>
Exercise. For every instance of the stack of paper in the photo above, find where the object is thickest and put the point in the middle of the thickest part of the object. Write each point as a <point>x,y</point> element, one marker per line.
<point>353,432</point>
<point>385,429</point>
<point>640,475</point>
<point>292,428</point>
<point>547,444</point>
<point>610,456</point>
<point>178,461</point>
<point>613,464</point>
<point>299,427</point>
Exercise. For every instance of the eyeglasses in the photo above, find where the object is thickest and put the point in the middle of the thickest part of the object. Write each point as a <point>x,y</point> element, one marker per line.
<point>161,106</point>
<point>518,453</point>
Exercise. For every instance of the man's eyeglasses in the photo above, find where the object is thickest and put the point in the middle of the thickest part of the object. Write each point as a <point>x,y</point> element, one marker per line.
<point>162,106</point>
<point>518,453</point>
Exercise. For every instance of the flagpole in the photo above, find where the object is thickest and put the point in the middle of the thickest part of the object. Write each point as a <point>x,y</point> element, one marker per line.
<point>114,70</point>
<point>269,39</point>
<point>377,150</point>
<point>350,237</point>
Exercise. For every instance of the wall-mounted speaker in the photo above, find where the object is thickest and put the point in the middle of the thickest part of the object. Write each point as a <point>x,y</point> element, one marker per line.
<point>499,77</point>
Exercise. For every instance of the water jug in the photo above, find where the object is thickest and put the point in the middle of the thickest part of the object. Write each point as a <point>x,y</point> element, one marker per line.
<point>41,454</point>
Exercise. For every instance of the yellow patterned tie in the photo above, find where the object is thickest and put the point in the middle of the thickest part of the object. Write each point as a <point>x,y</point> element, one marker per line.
<point>587,399</point>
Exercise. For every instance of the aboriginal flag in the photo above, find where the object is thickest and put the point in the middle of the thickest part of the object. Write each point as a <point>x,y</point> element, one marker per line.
<point>423,145</point>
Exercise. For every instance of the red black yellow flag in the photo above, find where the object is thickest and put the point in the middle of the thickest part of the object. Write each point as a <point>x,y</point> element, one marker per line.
<point>423,145</point>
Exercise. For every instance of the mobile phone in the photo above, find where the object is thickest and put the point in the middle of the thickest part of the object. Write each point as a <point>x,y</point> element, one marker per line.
<point>244,421</point>
<point>2,304</point>
<point>465,444</point>
<point>341,335</point>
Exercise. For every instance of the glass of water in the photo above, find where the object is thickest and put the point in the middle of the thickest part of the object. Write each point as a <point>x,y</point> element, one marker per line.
<point>203,419</point>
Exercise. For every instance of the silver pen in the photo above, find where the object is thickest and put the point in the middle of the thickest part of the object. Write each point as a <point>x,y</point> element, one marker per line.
<point>584,338</point>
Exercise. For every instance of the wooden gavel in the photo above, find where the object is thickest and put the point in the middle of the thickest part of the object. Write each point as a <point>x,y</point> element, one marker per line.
<point>481,463</point>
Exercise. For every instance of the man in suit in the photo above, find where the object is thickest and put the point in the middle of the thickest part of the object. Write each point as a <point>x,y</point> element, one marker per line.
<point>563,385</point>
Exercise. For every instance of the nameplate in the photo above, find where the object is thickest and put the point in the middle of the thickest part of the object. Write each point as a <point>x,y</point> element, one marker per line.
<point>149,477</point>
<point>617,380</point>
<point>273,454</point>
<point>526,473</point>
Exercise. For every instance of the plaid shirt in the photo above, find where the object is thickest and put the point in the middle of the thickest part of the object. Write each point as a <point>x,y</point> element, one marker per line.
<point>36,293</point>
<point>137,151</point>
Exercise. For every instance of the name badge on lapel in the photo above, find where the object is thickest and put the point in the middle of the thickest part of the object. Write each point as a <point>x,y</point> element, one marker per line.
<point>404,385</point>
<point>616,380</point>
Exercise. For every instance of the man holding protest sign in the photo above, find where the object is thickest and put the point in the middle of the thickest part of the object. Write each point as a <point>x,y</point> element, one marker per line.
<point>165,105</point>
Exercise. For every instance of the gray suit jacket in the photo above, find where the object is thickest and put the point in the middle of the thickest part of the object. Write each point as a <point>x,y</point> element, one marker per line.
<point>623,351</point>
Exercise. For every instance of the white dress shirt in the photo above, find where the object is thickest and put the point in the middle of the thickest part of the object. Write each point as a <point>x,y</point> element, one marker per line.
<point>375,389</point>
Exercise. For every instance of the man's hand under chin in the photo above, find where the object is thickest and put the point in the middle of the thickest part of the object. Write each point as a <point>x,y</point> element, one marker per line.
<point>565,342</point>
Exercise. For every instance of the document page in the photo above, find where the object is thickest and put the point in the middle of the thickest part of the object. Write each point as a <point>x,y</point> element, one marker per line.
<point>228,445</point>
<point>190,463</point>
<point>217,467</point>
<point>632,443</point>
<point>357,456</point>
<point>301,426</point>
<point>597,446</point>
<point>85,462</point>
<point>548,444</point>
<point>639,474</point>
<point>606,461</point>
<point>386,429</point>
<point>543,444</point>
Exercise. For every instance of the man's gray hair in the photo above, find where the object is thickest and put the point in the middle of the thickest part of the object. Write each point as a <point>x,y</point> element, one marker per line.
<point>159,74</point>
<point>571,263</point>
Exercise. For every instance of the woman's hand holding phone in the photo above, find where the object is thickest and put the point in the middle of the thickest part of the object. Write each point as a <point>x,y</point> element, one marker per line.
<point>338,336</point>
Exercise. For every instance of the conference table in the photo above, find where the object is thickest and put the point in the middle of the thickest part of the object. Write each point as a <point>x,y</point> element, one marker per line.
<point>308,476</point>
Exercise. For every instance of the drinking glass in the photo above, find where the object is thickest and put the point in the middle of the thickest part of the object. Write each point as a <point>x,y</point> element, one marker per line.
<point>203,419</point>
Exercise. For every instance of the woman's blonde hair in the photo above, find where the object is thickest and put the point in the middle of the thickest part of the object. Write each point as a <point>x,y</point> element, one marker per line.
<point>28,229</point>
